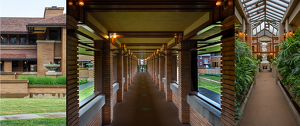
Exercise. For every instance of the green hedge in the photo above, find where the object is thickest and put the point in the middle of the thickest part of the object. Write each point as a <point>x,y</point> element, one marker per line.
<point>43,80</point>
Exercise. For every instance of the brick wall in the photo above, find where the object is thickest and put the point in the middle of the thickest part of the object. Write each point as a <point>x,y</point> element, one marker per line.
<point>91,73</point>
<point>175,99</point>
<point>63,51</point>
<point>57,49</point>
<point>3,77</point>
<point>85,57</point>
<point>7,66</point>
<point>83,72</point>
<point>45,54</point>
<point>96,120</point>
<point>50,13</point>
<point>14,86</point>
<point>196,119</point>
<point>46,89</point>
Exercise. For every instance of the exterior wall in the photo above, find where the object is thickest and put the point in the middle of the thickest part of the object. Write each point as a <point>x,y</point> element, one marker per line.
<point>85,57</point>
<point>46,89</point>
<point>175,99</point>
<point>45,55</point>
<point>7,66</point>
<point>96,120</point>
<point>202,60</point>
<point>197,119</point>
<point>83,72</point>
<point>14,86</point>
<point>50,13</point>
<point>216,59</point>
<point>57,49</point>
<point>63,51</point>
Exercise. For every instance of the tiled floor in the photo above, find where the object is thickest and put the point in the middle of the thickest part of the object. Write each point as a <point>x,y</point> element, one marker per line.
<point>267,106</point>
<point>145,105</point>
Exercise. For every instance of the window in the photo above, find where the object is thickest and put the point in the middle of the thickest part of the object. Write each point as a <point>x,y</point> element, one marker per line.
<point>82,64</point>
<point>1,65</point>
<point>3,39</point>
<point>57,61</point>
<point>32,39</point>
<point>22,39</point>
<point>200,63</point>
<point>53,35</point>
<point>205,61</point>
<point>200,57</point>
<point>12,39</point>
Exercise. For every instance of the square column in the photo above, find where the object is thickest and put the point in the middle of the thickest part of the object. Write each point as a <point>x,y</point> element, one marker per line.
<point>184,81</point>
<point>156,69</point>
<point>161,71</point>
<point>129,69</point>
<point>168,74</point>
<point>125,59</point>
<point>7,66</point>
<point>107,110</point>
<point>120,76</point>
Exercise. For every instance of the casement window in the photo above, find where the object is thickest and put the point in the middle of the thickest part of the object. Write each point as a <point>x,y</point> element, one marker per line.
<point>1,65</point>
<point>32,39</point>
<point>13,39</point>
<point>4,40</point>
<point>23,39</point>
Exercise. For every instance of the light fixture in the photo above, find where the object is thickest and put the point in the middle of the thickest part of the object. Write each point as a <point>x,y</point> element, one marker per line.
<point>115,36</point>
<point>0,62</point>
<point>81,3</point>
<point>219,3</point>
<point>25,62</point>
<point>70,3</point>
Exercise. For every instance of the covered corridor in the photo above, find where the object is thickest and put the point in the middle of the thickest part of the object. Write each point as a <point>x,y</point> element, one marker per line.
<point>126,34</point>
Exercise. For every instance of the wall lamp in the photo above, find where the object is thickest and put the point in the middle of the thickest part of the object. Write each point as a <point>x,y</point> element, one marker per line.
<point>74,3</point>
<point>219,3</point>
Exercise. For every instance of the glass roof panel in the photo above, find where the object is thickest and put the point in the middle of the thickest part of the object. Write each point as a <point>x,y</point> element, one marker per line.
<point>271,11</point>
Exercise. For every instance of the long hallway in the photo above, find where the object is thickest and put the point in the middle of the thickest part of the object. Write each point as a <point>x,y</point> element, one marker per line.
<point>266,105</point>
<point>145,105</point>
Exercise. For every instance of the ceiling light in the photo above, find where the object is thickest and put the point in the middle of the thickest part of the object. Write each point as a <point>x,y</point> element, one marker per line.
<point>219,2</point>
<point>81,3</point>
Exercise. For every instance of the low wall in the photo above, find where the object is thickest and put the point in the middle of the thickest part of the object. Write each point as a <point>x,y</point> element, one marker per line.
<point>20,89</point>
<point>86,73</point>
<point>15,75</point>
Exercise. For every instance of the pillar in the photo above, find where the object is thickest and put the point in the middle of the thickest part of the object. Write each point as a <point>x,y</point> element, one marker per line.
<point>107,110</point>
<point>168,70</point>
<point>125,59</point>
<point>185,77</point>
<point>161,71</point>
<point>129,69</point>
<point>63,50</point>
<point>228,86</point>
<point>71,73</point>
<point>156,69</point>
<point>120,76</point>
<point>7,66</point>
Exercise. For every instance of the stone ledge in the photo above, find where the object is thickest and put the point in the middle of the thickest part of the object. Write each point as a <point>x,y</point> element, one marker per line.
<point>115,87</point>
<point>14,81</point>
<point>211,114</point>
<point>47,41</point>
<point>174,87</point>
<point>47,86</point>
<point>88,111</point>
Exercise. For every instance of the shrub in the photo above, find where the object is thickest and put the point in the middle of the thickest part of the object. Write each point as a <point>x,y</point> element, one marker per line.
<point>80,82</point>
<point>43,80</point>
<point>288,62</point>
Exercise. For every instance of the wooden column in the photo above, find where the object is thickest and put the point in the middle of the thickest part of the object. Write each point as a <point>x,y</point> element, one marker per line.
<point>71,73</point>
<point>120,76</point>
<point>107,82</point>
<point>161,70</point>
<point>168,74</point>
<point>129,69</point>
<point>228,86</point>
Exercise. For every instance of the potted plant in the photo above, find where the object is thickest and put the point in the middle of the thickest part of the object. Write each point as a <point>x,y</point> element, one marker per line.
<point>51,66</point>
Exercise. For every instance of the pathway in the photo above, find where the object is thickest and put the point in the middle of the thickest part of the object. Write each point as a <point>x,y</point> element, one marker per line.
<point>210,80</point>
<point>31,116</point>
<point>266,105</point>
<point>145,105</point>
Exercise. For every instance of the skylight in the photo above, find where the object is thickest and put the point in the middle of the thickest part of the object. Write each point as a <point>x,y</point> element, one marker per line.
<point>265,12</point>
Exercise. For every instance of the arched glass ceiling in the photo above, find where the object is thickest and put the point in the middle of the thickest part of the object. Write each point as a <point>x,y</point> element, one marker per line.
<point>265,14</point>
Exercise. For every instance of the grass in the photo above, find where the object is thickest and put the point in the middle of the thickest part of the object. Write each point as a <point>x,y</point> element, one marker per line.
<point>12,106</point>
<point>84,93</point>
<point>213,77</point>
<point>213,86</point>
<point>43,80</point>
<point>52,121</point>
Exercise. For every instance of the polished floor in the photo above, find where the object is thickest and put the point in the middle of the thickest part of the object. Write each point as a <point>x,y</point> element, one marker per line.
<point>266,105</point>
<point>145,105</point>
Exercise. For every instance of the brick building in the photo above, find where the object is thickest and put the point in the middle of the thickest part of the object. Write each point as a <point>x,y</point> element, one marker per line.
<point>204,61</point>
<point>215,59</point>
<point>27,43</point>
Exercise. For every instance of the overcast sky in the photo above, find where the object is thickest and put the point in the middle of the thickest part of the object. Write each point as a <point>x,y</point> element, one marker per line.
<point>27,8</point>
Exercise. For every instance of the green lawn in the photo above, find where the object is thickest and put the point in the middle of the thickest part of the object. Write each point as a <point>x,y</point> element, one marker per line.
<point>84,93</point>
<point>213,77</point>
<point>213,86</point>
<point>12,106</point>
<point>53,121</point>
